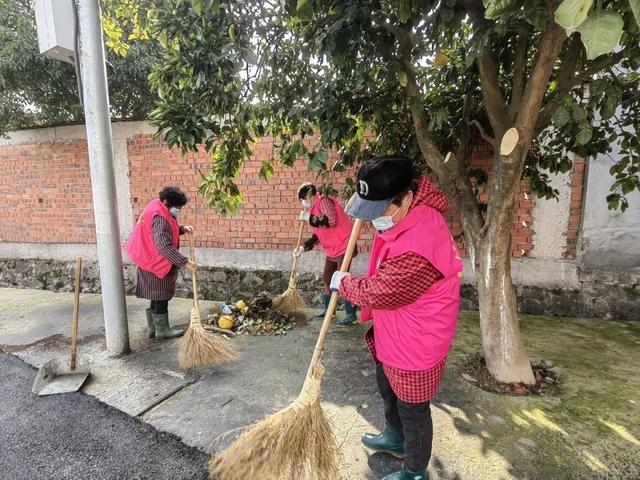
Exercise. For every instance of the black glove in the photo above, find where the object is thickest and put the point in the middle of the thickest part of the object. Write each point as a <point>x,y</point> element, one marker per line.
<point>310,243</point>
<point>319,221</point>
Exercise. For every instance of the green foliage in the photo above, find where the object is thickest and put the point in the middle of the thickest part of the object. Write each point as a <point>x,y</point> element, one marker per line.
<point>571,13</point>
<point>495,8</point>
<point>36,91</point>
<point>230,71</point>
<point>601,33</point>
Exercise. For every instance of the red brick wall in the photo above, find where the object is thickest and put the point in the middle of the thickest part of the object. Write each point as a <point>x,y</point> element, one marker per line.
<point>46,190</point>
<point>521,234</point>
<point>45,193</point>
<point>268,217</point>
<point>575,207</point>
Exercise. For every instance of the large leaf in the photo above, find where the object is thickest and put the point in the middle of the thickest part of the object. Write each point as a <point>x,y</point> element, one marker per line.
<point>495,8</point>
<point>572,13</point>
<point>635,7</point>
<point>585,132</point>
<point>561,116</point>
<point>601,33</point>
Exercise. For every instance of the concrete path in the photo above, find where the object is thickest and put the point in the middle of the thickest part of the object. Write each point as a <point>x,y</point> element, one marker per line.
<point>474,439</point>
<point>75,436</point>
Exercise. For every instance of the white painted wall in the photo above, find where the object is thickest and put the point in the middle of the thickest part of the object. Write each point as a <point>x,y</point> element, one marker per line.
<point>610,239</point>
<point>551,220</point>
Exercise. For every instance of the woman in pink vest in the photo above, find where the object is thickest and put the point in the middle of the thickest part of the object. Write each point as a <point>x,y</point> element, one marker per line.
<point>331,229</point>
<point>154,248</point>
<point>412,294</point>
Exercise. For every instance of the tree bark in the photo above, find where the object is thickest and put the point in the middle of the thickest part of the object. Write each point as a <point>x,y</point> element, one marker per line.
<point>506,357</point>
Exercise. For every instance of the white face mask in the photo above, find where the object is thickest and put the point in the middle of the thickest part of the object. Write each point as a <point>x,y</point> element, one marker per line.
<point>305,204</point>
<point>384,223</point>
<point>174,211</point>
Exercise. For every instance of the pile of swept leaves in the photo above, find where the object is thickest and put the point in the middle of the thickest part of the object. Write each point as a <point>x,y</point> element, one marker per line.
<point>257,318</point>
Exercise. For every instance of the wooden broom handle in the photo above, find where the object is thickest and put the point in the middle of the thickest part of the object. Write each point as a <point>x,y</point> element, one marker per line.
<point>194,275</point>
<point>326,323</point>
<point>76,314</point>
<point>292,278</point>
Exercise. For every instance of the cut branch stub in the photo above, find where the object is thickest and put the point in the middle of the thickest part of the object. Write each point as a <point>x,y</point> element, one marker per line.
<point>509,141</point>
<point>450,164</point>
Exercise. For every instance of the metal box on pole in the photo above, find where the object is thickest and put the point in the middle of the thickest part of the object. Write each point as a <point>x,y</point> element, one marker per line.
<point>55,21</point>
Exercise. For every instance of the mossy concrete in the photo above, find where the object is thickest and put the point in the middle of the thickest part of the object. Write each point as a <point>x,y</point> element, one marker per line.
<point>590,431</point>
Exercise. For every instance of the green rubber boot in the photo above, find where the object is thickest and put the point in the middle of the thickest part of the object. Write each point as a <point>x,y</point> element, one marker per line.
<point>349,315</point>
<point>151,328</point>
<point>386,442</point>
<point>163,329</point>
<point>325,304</point>
<point>405,474</point>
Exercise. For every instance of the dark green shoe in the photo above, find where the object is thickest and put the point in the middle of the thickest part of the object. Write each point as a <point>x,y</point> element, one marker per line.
<point>388,442</point>
<point>349,315</point>
<point>405,474</point>
<point>163,329</point>
<point>325,304</point>
<point>151,328</point>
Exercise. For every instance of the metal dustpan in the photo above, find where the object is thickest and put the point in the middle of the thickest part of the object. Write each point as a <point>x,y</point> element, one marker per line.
<point>64,375</point>
<point>56,376</point>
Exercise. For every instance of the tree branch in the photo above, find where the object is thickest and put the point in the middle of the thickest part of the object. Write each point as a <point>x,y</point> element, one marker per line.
<point>464,144</point>
<point>451,174</point>
<point>598,65</point>
<point>494,100</point>
<point>519,70</point>
<point>475,10</point>
<point>566,84</point>
<point>483,132</point>
<point>549,48</point>
<point>569,60</point>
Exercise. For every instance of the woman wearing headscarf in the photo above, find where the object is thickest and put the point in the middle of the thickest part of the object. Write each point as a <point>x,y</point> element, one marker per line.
<point>154,248</point>
<point>331,229</point>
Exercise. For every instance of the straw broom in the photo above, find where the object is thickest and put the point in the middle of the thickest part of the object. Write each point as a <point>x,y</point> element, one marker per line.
<point>197,346</point>
<point>295,443</point>
<point>291,300</point>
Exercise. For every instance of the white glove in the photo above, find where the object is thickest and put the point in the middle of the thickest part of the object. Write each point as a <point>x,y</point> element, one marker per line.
<point>304,215</point>
<point>298,251</point>
<point>336,279</point>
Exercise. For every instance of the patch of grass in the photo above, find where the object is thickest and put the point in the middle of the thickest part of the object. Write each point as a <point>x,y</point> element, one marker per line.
<point>591,430</point>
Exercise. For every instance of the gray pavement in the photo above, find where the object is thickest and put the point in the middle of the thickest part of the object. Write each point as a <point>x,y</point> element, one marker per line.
<point>75,436</point>
<point>219,401</point>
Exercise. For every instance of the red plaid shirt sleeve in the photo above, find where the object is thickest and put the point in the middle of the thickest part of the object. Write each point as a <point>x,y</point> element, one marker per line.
<point>399,281</point>
<point>328,208</point>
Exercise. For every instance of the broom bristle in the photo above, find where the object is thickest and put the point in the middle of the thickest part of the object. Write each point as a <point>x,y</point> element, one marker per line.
<point>199,347</point>
<point>290,301</point>
<point>293,444</point>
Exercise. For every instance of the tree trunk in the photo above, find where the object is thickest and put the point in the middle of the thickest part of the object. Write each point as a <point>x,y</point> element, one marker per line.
<point>504,351</point>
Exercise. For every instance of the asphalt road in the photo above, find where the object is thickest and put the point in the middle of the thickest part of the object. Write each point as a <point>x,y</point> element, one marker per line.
<point>74,436</point>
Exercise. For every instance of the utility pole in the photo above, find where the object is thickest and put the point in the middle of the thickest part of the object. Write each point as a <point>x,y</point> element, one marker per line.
<point>95,96</point>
